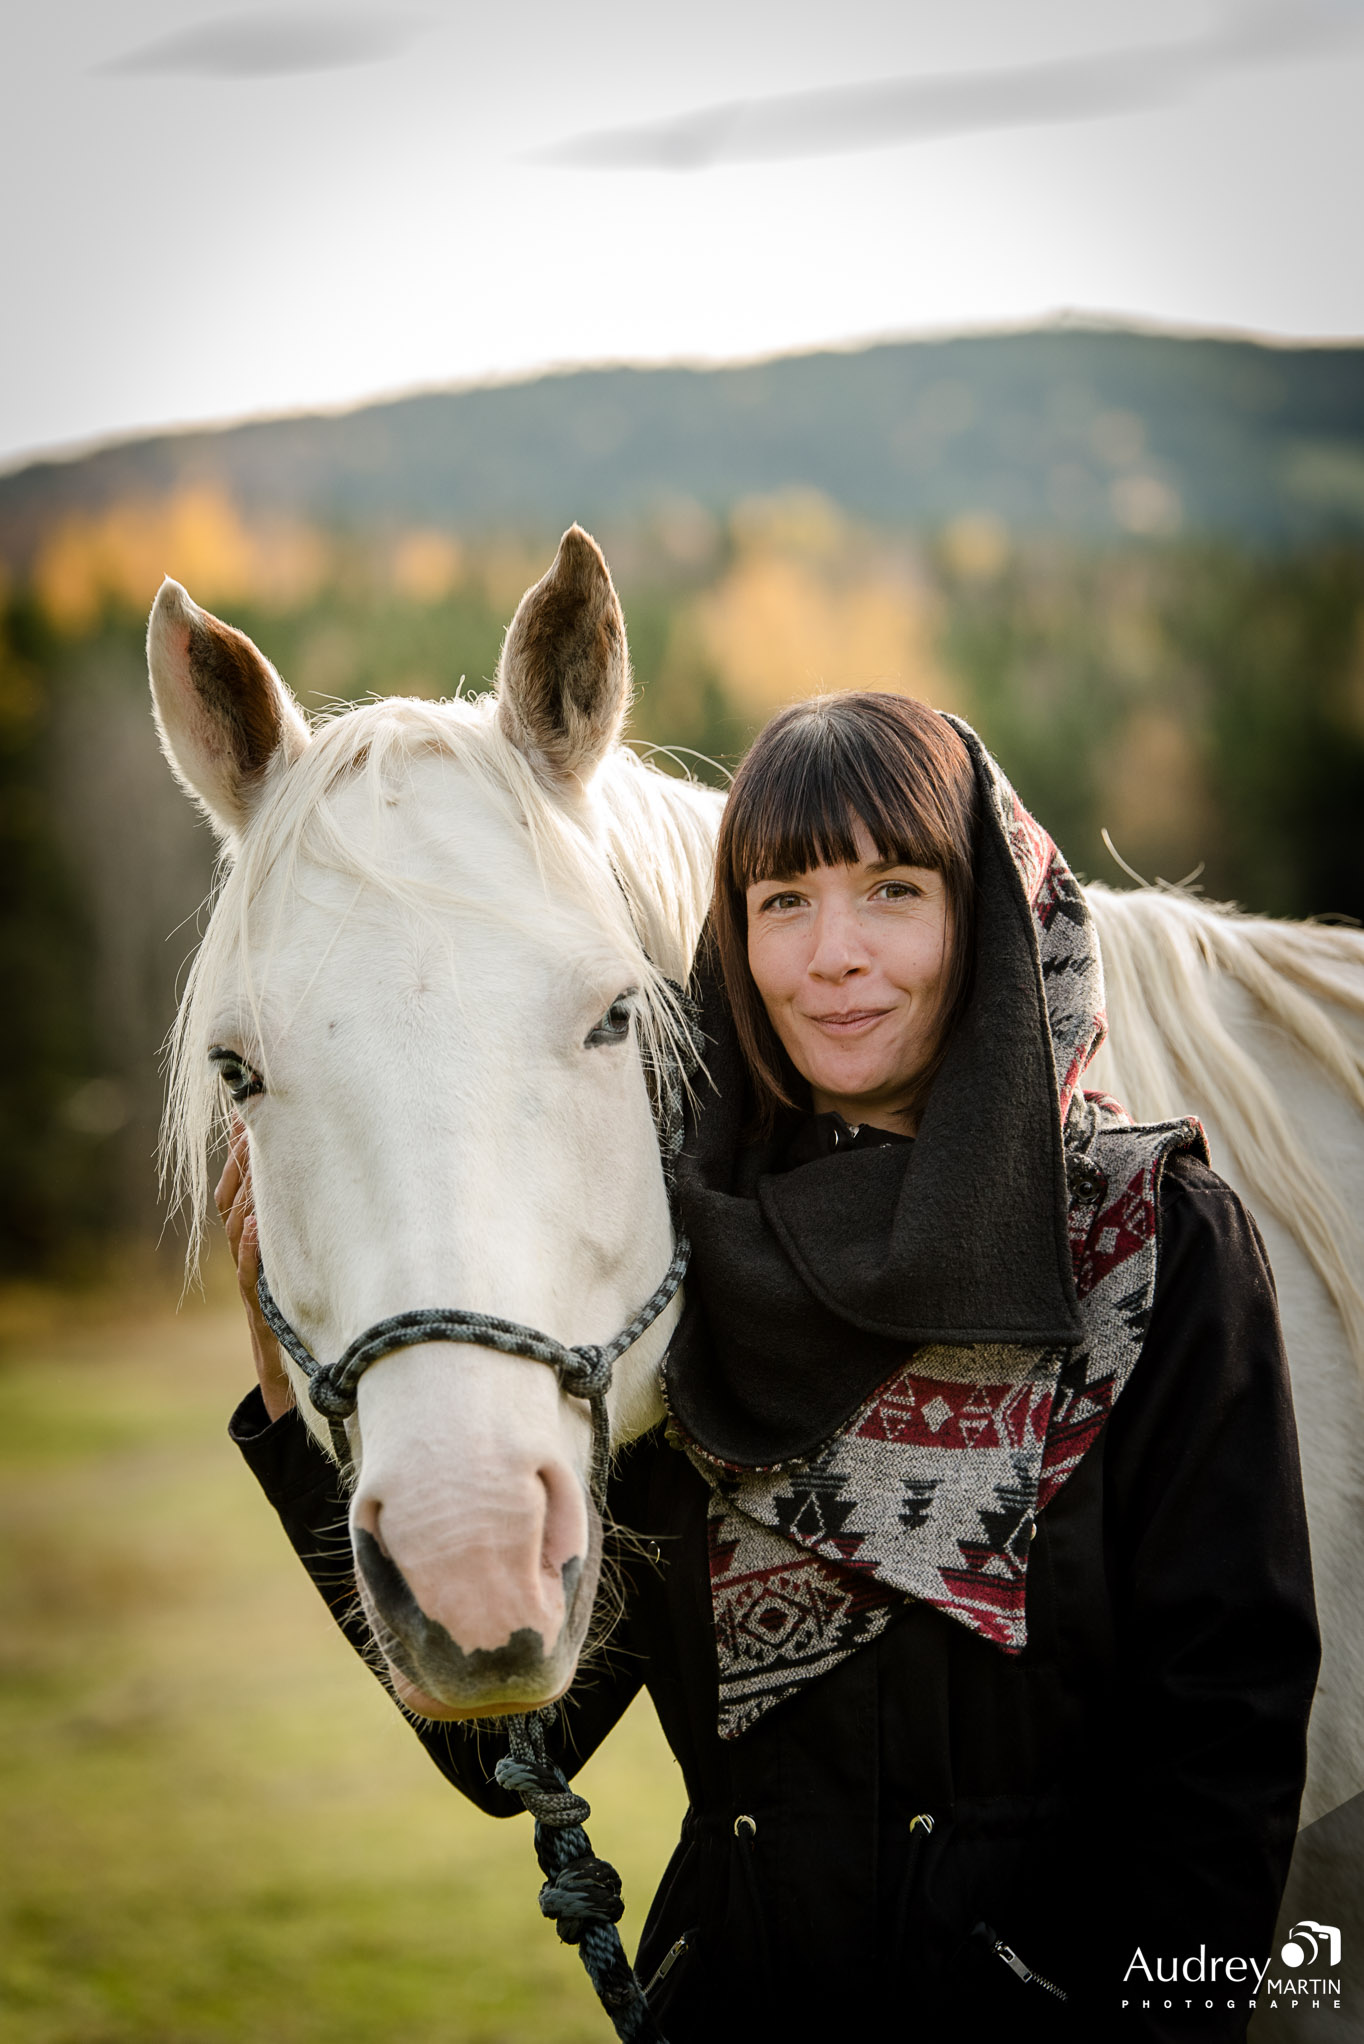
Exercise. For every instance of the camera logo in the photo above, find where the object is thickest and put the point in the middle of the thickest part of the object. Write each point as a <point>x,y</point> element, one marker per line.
<point>1309,1942</point>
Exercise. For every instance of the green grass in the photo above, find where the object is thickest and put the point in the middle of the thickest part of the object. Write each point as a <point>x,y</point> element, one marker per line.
<point>215,1824</point>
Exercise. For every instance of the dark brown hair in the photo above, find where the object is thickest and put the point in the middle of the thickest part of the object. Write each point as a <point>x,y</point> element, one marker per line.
<point>816,771</point>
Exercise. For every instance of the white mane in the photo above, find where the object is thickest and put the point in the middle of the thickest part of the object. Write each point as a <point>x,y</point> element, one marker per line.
<point>633,855</point>
<point>1167,958</point>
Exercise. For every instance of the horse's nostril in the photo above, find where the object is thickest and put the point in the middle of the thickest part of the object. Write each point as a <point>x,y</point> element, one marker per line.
<point>368,1514</point>
<point>385,1582</point>
<point>565,1533</point>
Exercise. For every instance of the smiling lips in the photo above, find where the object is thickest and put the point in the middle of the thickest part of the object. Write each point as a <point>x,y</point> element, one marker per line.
<point>848,1023</point>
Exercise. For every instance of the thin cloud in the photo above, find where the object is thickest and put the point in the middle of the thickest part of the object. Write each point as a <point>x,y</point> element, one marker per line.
<point>270,44</point>
<point>884,112</point>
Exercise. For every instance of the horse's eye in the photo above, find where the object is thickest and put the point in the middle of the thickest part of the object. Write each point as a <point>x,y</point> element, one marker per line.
<point>614,1026</point>
<point>240,1078</point>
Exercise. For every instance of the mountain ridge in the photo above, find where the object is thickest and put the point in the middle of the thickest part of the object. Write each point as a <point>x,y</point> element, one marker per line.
<point>1088,431</point>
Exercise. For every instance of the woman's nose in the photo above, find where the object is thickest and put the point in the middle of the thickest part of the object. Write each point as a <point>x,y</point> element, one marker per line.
<point>839,946</point>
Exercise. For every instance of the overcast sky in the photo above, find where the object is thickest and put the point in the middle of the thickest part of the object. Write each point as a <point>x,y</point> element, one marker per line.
<point>214,210</point>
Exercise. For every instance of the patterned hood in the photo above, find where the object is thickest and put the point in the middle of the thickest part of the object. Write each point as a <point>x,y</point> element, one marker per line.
<point>892,1357</point>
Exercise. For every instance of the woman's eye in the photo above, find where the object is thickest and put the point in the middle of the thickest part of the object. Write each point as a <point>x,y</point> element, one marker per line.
<point>614,1026</point>
<point>781,901</point>
<point>898,890</point>
<point>240,1078</point>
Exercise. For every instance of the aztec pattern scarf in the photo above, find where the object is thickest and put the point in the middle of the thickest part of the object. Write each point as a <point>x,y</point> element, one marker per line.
<point>931,1487</point>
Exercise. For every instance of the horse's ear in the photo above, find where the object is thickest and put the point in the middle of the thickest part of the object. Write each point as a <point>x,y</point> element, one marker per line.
<point>563,682</point>
<point>225,717</point>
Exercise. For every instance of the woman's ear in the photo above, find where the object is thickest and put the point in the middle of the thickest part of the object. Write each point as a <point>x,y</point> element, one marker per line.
<point>563,682</point>
<point>225,717</point>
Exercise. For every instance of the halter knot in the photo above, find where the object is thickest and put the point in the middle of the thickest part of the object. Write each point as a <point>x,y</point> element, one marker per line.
<point>585,1373</point>
<point>335,1401</point>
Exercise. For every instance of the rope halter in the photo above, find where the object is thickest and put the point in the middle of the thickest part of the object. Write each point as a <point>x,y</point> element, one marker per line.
<point>583,1372</point>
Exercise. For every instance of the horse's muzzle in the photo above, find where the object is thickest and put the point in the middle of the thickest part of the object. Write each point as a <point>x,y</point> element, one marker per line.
<point>520,1674</point>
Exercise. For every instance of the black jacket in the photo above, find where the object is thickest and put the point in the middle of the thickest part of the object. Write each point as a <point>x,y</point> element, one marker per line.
<point>1130,1780</point>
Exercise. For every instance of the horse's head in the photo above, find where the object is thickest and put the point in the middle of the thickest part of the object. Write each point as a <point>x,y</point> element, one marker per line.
<point>430,986</point>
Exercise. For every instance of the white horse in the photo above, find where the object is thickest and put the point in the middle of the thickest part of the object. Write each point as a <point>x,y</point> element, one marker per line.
<point>432,977</point>
<point>432,980</point>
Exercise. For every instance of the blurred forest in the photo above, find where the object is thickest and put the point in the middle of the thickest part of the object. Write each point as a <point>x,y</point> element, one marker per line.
<point>1182,668</point>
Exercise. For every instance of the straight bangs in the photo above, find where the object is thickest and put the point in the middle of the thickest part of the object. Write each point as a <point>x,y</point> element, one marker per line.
<point>818,783</point>
<point>818,770</point>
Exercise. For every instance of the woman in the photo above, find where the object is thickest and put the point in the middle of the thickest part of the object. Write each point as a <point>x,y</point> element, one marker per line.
<point>984,1631</point>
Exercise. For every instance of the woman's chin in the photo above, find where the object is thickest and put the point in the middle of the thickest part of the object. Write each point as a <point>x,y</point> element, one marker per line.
<point>862,1083</point>
<point>855,1088</point>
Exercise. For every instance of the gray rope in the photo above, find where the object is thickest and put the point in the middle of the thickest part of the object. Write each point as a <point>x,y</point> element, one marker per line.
<point>581,1893</point>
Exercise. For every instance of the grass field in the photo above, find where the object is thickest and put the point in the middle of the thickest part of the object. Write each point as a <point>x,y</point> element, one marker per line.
<point>215,1824</point>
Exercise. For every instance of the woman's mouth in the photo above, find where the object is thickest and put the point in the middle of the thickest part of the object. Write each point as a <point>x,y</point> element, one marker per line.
<point>848,1022</point>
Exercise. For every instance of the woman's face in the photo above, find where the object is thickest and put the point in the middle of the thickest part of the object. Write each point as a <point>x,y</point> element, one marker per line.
<point>850,961</point>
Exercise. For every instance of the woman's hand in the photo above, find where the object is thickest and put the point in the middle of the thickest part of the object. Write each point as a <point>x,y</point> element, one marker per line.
<point>233,1199</point>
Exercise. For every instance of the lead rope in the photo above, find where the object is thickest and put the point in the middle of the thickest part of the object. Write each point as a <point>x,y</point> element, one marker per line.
<point>581,1893</point>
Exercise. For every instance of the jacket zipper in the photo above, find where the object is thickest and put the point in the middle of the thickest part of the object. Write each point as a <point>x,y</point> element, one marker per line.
<point>1025,1973</point>
<point>668,1961</point>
